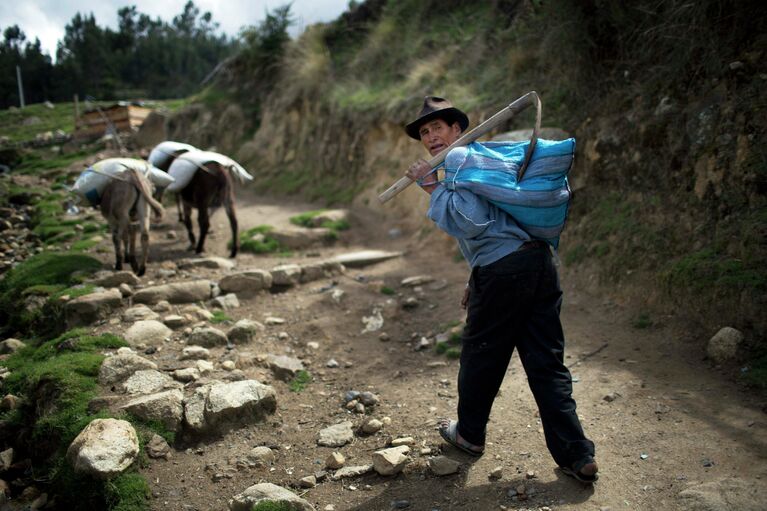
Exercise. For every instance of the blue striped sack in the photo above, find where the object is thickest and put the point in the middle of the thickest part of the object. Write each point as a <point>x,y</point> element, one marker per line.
<point>539,202</point>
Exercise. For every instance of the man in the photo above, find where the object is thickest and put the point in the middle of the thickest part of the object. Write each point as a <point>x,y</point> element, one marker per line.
<point>512,299</point>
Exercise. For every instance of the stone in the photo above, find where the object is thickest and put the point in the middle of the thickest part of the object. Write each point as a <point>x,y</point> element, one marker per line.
<point>10,345</point>
<point>213,263</point>
<point>197,312</point>
<point>244,331</point>
<point>138,313</point>
<point>174,321</point>
<point>9,402</point>
<point>496,473</point>
<point>177,292</point>
<point>442,465</point>
<point>261,456</point>
<point>418,280</point>
<point>162,306</point>
<point>321,270</point>
<point>391,461</point>
<point>117,368</point>
<point>147,332</point>
<point>298,238</point>
<point>157,447</point>
<point>354,471</point>
<point>337,435</point>
<point>334,461</point>
<point>148,381</point>
<point>187,374</point>
<point>219,406</point>
<point>194,353</point>
<point>166,407</point>
<point>365,258</point>
<point>104,448</point>
<point>228,365</point>
<point>226,302</point>
<point>207,337</point>
<point>724,494</point>
<point>86,309</point>
<point>125,290</point>
<point>308,482</point>
<point>284,367</point>
<point>246,282</point>
<point>367,398</point>
<point>723,346</point>
<point>280,497</point>
<point>204,367</point>
<point>286,275</point>
<point>404,440</point>
<point>371,426</point>
<point>110,279</point>
<point>6,459</point>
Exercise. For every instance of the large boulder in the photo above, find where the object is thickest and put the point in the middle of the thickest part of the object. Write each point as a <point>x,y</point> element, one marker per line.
<point>723,347</point>
<point>148,381</point>
<point>280,497</point>
<point>148,331</point>
<point>86,309</point>
<point>165,407</point>
<point>177,292</point>
<point>104,448</point>
<point>117,368</point>
<point>217,407</point>
<point>10,345</point>
<point>246,282</point>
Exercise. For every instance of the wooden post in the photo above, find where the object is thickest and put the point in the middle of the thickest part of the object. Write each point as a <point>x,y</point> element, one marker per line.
<point>21,86</point>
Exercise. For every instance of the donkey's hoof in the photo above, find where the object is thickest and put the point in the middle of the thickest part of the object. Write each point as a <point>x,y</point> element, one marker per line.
<point>141,271</point>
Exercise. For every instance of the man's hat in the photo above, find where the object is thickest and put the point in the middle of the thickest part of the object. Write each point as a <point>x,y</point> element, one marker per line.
<point>437,108</point>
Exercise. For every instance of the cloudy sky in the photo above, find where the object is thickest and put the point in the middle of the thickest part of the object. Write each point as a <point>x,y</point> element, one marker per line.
<point>46,19</point>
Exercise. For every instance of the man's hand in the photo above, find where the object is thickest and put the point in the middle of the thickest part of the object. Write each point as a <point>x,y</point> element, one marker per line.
<point>419,169</point>
<point>465,299</point>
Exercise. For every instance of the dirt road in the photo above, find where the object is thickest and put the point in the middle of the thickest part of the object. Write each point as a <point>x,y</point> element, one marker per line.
<point>670,432</point>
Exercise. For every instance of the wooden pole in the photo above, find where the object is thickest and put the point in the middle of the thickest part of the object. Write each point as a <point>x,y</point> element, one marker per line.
<point>21,86</point>
<point>531,98</point>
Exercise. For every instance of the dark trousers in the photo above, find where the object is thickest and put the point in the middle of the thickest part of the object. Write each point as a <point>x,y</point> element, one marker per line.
<point>515,303</point>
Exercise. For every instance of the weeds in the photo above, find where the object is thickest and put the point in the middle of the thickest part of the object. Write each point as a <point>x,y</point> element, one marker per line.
<point>220,316</point>
<point>300,381</point>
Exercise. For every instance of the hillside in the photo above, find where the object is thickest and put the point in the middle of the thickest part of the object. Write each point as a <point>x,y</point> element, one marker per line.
<point>665,99</point>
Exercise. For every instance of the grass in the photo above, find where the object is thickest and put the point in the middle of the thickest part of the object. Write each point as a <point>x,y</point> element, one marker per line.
<point>307,220</point>
<point>642,321</point>
<point>220,316</point>
<point>269,505</point>
<point>452,347</point>
<point>300,381</point>
<point>386,290</point>
<point>58,378</point>
<point>46,270</point>
<point>258,241</point>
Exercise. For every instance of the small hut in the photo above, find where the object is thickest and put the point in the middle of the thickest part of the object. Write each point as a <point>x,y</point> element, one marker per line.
<point>122,117</point>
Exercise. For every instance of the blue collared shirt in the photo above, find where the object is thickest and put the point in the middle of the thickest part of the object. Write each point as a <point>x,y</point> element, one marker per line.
<point>485,233</point>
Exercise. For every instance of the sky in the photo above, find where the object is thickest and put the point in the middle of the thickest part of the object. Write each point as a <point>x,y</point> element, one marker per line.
<point>46,19</point>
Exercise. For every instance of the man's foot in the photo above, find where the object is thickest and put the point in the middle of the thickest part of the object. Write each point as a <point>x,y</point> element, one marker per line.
<point>448,430</point>
<point>584,471</point>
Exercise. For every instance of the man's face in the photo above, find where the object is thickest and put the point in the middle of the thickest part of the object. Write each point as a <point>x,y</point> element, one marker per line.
<point>437,135</point>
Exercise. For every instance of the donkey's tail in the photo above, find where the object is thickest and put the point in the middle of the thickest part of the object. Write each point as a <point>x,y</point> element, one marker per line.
<point>145,189</point>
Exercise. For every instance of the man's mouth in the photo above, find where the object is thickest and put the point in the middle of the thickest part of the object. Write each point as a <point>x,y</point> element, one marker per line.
<point>436,148</point>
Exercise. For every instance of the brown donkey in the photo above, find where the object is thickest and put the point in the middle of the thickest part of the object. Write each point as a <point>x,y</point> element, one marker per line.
<point>126,199</point>
<point>210,188</point>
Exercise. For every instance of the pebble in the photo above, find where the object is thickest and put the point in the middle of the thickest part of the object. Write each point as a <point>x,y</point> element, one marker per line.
<point>332,363</point>
<point>313,345</point>
<point>227,365</point>
<point>496,473</point>
<point>400,504</point>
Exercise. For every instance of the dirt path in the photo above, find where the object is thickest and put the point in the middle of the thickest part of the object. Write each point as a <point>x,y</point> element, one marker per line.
<point>672,424</point>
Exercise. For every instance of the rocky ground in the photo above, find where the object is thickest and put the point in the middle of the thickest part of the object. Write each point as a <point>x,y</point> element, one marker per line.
<point>670,432</point>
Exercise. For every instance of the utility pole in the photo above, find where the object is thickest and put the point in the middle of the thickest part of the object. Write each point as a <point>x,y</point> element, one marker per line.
<point>21,86</point>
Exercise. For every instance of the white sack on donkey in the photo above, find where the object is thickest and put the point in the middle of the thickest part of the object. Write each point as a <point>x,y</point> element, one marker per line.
<point>91,183</point>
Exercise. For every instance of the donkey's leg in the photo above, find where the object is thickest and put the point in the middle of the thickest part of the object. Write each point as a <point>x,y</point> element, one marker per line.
<point>132,250</point>
<point>188,224</point>
<point>204,222</point>
<point>231,213</point>
<point>124,230</point>
<point>116,241</point>
<point>181,216</point>
<point>143,218</point>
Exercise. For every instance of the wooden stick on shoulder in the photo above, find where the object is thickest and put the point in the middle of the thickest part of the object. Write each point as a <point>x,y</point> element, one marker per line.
<point>493,122</point>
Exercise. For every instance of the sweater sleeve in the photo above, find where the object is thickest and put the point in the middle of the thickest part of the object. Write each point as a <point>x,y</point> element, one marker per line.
<point>460,213</point>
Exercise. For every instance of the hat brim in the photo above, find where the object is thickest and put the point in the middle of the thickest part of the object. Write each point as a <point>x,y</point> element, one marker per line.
<point>449,115</point>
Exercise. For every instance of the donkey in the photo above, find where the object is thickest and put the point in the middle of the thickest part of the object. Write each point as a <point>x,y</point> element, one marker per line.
<point>162,156</point>
<point>210,188</point>
<point>127,199</point>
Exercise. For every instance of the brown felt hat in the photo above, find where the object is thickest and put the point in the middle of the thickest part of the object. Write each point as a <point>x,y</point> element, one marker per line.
<point>436,108</point>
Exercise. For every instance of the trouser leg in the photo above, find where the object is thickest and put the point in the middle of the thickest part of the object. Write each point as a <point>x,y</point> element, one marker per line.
<point>541,350</point>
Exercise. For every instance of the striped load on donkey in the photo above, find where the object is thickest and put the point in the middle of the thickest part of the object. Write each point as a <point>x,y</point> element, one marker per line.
<point>92,181</point>
<point>539,202</point>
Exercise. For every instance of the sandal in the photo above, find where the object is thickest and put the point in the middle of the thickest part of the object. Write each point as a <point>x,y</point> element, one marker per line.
<point>448,430</point>
<point>584,471</point>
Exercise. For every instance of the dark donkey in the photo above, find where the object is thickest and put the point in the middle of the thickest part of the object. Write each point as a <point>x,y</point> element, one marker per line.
<point>162,156</point>
<point>210,187</point>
